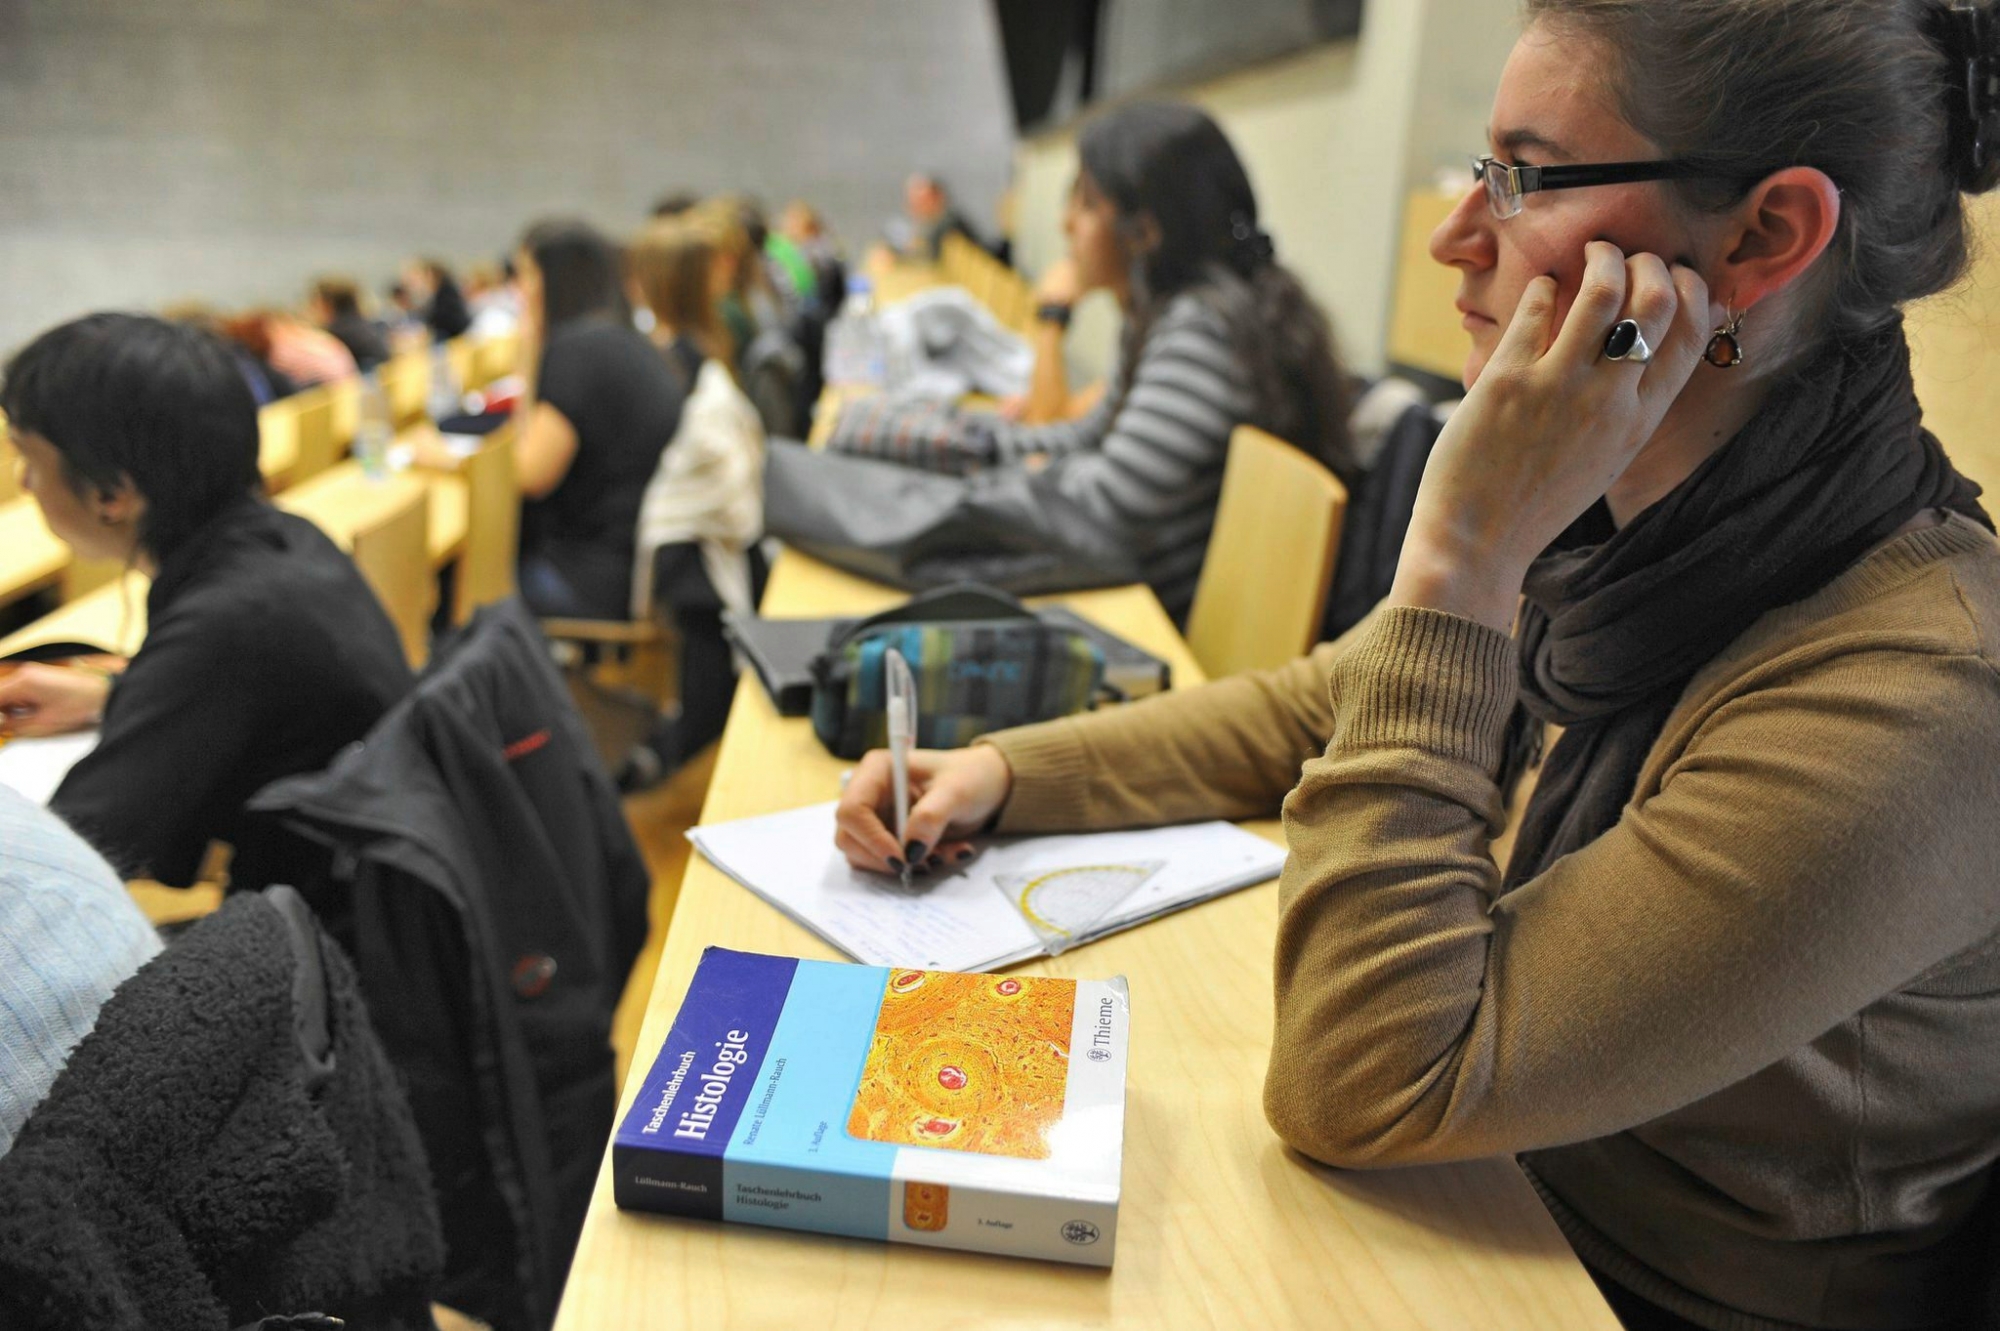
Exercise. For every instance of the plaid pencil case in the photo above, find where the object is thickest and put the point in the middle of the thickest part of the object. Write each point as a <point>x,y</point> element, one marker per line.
<point>973,675</point>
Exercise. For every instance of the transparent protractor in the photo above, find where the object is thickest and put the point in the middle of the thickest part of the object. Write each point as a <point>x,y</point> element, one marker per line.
<point>1062,905</point>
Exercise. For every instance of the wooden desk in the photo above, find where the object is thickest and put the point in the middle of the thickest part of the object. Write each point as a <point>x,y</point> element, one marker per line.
<point>1221,1226</point>
<point>112,617</point>
<point>342,500</point>
<point>31,556</point>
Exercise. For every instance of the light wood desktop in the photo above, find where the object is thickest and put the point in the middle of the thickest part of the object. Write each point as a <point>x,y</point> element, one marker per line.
<point>1221,1226</point>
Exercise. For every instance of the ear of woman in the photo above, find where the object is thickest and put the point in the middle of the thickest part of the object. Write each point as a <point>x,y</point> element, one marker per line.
<point>1775,236</point>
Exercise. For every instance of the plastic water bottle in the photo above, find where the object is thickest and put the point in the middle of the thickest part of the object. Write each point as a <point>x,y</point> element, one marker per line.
<point>375,430</point>
<point>855,353</point>
<point>447,397</point>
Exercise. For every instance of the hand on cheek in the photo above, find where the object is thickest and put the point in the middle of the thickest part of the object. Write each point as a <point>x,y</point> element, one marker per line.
<point>1547,428</point>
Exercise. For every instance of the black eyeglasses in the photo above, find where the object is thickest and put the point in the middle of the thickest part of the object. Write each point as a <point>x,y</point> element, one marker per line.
<point>1507,186</point>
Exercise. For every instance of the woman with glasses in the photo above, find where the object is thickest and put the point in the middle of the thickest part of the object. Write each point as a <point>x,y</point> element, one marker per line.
<point>1734,998</point>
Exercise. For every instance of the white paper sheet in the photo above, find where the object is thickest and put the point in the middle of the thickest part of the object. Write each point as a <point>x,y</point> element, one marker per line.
<point>961,920</point>
<point>35,767</point>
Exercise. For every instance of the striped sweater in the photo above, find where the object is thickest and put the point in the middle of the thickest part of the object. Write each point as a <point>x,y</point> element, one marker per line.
<point>1148,462</point>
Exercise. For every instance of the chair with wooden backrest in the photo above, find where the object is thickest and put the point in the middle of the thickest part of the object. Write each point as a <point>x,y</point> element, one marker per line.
<point>278,443</point>
<point>406,383</point>
<point>10,466</point>
<point>1424,329</point>
<point>317,450</point>
<point>464,361</point>
<point>1270,557</point>
<point>392,552</point>
<point>493,526</point>
<point>345,394</point>
<point>494,358</point>
<point>956,258</point>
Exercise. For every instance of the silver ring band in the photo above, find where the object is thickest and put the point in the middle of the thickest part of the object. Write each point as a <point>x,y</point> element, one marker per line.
<point>1626,341</point>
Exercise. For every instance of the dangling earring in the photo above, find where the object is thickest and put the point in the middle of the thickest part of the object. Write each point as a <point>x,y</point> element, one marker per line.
<point>1725,349</point>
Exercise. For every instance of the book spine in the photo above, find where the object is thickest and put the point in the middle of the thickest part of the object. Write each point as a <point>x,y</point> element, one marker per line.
<point>670,1182</point>
<point>1042,1226</point>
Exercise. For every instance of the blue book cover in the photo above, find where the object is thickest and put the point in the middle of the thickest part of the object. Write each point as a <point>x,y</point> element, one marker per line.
<point>983,1112</point>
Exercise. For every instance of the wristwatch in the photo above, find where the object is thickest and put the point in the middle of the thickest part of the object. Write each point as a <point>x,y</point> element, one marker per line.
<point>1052,312</point>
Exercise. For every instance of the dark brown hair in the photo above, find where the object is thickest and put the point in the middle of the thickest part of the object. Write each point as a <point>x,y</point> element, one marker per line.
<point>1872,92</point>
<point>1170,161</point>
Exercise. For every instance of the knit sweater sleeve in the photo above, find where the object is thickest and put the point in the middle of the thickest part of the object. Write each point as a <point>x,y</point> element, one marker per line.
<point>1230,749</point>
<point>1821,838</point>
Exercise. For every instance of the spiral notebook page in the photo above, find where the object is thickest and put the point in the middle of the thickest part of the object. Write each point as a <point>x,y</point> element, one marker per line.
<point>962,920</point>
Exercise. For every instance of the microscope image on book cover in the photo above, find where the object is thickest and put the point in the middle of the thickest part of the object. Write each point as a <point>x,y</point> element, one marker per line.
<point>967,1063</point>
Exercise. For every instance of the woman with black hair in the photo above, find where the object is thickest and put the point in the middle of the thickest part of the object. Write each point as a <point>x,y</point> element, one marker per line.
<point>602,405</point>
<point>265,652</point>
<point>1218,334</point>
<point>440,303</point>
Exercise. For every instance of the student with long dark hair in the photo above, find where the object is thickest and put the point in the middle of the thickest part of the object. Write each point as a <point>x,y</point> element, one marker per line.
<point>1218,333</point>
<point>1734,1000</point>
<point>602,406</point>
<point>265,652</point>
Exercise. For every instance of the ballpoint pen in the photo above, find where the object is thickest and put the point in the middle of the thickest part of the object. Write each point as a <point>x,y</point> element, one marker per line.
<point>902,718</point>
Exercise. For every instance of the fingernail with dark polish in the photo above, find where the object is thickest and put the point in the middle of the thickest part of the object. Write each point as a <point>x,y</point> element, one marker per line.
<point>916,850</point>
<point>895,865</point>
<point>963,855</point>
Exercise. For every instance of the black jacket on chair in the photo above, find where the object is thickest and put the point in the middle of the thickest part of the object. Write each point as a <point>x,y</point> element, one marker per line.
<point>229,1142</point>
<point>495,902</point>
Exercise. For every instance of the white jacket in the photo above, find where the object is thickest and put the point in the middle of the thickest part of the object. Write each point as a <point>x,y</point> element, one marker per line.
<point>708,488</point>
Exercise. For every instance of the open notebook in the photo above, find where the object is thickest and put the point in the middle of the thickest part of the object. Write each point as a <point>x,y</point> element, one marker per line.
<point>984,914</point>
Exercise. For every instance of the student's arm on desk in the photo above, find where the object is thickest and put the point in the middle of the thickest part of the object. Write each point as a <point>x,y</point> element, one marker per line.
<point>39,699</point>
<point>1820,841</point>
<point>175,728</point>
<point>1231,749</point>
<point>1225,750</point>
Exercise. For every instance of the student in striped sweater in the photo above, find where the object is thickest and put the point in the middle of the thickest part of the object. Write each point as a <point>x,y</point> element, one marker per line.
<point>1217,334</point>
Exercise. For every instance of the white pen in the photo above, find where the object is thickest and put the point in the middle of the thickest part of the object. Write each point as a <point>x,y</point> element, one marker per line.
<point>902,718</point>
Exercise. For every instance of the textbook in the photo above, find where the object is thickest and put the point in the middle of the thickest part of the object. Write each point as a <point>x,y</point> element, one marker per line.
<point>983,1112</point>
<point>1018,897</point>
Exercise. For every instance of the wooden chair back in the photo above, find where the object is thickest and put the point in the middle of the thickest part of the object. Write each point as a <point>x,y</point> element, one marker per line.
<point>314,412</point>
<point>1270,557</point>
<point>345,394</point>
<point>278,443</point>
<point>1424,328</point>
<point>406,383</point>
<point>463,360</point>
<point>10,466</point>
<point>1955,355</point>
<point>956,260</point>
<point>494,358</point>
<point>492,527</point>
<point>392,551</point>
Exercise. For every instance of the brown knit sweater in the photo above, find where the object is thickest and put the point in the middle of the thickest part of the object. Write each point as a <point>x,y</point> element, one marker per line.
<point>1747,1042</point>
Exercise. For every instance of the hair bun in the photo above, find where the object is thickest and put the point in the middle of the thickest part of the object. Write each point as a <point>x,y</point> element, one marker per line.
<point>1968,32</point>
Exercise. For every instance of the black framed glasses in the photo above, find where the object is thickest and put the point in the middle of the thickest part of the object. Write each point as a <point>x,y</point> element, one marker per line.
<point>1507,186</point>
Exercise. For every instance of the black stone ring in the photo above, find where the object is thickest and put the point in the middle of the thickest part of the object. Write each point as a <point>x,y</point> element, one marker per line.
<point>1626,342</point>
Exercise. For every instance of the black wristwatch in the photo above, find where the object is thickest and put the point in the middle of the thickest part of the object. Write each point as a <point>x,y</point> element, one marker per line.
<point>1052,312</point>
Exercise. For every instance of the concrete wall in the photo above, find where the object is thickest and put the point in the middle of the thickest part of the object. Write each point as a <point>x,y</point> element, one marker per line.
<point>1333,139</point>
<point>152,150</point>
